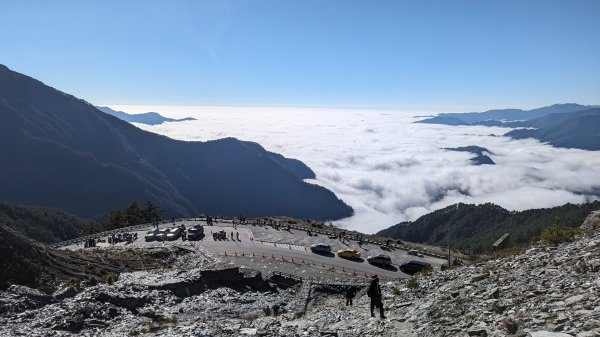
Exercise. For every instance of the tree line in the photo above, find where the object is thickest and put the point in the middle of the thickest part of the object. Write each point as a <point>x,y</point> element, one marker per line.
<point>132,215</point>
<point>51,225</point>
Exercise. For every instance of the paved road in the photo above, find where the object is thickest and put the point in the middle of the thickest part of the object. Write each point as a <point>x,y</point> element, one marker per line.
<point>249,245</point>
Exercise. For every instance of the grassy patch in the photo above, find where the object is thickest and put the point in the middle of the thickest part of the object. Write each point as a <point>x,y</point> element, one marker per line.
<point>557,234</point>
<point>412,283</point>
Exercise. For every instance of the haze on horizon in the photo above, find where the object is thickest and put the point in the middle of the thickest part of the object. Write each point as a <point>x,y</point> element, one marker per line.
<point>461,55</point>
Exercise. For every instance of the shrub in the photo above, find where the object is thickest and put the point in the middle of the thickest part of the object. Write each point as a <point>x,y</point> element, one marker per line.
<point>412,283</point>
<point>73,282</point>
<point>395,291</point>
<point>557,234</point>
<point>111,278</point>
<point>299,313</point>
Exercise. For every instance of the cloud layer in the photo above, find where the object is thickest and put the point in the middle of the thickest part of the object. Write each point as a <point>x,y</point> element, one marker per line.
<point>389,169</point>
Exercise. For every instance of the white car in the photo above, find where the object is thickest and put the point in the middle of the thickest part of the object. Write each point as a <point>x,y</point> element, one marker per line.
<point>151,234</point>
<point>162,234</point>
<point>174,234</point>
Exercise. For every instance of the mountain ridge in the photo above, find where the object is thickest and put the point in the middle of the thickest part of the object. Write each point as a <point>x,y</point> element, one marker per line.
<point>148,118</point>
<point>580,130</point>
<point>476,227</point>
<point>62,152</point>
<point>560,125</point>
<point>500,115</point>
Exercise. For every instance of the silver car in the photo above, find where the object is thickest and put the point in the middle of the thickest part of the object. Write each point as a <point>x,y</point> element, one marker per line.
<point>151,234</point>
<point>162,234</point>
<point>174,234</point>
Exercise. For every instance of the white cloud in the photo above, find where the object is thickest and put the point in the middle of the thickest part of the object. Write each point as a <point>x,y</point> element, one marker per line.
<point>390,170</point>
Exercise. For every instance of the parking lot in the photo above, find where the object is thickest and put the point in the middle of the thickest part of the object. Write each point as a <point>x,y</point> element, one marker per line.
<point>279,243</point>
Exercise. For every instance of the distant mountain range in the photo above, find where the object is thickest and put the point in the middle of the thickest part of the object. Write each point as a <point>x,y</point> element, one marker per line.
<point>501,115</point>
<point>580,129</point>
<point>477,227</point>
<point>561,125</point>
<point>149,118</point>
<point>60,151</point>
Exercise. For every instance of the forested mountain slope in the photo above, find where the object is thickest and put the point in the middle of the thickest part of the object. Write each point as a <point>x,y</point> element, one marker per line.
<point>62,152</point>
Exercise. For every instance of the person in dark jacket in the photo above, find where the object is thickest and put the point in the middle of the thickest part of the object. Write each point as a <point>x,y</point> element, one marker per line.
<point>374,293</point>
<point>350,292</point>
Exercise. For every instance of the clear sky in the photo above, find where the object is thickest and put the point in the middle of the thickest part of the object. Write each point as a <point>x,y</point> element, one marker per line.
<point>431,55</point>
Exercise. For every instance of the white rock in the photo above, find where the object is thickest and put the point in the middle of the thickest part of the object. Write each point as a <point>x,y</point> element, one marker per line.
<point>573,299</point>
<point>248,331</point>
<point>549,334</point>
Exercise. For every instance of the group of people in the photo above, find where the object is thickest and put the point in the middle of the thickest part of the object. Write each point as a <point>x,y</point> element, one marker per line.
<point>126,237</point>
<point>223,236</point>
<point>112,239</point>
<point>374,293</point>
<point>90,242</point>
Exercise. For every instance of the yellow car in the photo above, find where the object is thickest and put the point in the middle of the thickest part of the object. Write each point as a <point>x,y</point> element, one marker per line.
<point>349,253</point>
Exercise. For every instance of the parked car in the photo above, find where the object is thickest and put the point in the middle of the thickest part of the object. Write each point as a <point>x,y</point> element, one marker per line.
<point>151,234</point>
<point>414,252</point>
<point>162,234</point>
<point>195,233</point>
<point>320,248</point>
<point>349,253</point>
<point>174,233</point>
<point>414,266</point>
<point>380,260</point>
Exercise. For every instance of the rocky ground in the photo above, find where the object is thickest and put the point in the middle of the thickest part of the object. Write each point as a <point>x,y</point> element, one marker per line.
<point>544,291</point>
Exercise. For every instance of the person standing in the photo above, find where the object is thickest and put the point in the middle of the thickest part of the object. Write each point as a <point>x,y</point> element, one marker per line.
<point>374,293</point>
<point>350,292</point>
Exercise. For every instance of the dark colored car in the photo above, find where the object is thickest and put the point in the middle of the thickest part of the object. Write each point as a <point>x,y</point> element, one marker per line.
<point>320,248</point>
<point>414,266</point>
<point>414,252</point>
<point>380,260</point>
<point>195,233</point>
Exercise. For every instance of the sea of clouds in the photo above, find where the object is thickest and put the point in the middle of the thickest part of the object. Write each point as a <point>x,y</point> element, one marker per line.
<point>390,169</point>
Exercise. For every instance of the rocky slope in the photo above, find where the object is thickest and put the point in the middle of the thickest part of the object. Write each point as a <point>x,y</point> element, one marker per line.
<point>543,291</point>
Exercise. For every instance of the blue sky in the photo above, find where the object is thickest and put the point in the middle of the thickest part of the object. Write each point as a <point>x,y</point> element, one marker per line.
<point>431,55</point>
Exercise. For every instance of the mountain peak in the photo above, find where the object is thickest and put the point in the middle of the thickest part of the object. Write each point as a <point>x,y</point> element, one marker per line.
<point>67,154</point>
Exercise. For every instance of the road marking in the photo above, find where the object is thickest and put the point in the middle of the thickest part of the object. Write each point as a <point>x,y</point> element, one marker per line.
<point>283,245</point>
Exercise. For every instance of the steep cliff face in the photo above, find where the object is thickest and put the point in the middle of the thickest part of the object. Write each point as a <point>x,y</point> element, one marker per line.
<point>62,152</point>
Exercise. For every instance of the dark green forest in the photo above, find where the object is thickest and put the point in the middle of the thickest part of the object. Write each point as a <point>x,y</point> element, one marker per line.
<point>44,224</point>
<point>51,225</point>
<point>132,215</point>
<point>477,227</point>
